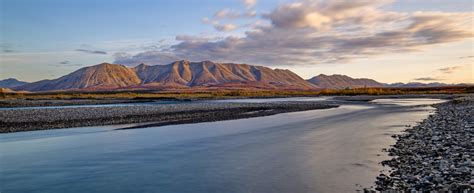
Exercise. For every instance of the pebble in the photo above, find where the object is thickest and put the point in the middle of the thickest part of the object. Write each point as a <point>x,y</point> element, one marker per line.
<point>14,120</point>
<point>434,155</point>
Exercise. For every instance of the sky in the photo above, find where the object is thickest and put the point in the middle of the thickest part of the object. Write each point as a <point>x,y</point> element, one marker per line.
<point>386,40</point>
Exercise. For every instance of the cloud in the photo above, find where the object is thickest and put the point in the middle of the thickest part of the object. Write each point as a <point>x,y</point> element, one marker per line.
<point>225,27</point>
<point>226,13</point>
<point>466,57</point>
<point>220,27</point>
<point>66,63</point>
<point>148,57</point>
<point>91,51</point>
<point>317,14</point>
<point>206,20</point>
<point>449,70</point>
<point>428,79</point>
<point>315,32</point>
<point>197,38</point>
<point>233,14</point>
<point>249,3</point>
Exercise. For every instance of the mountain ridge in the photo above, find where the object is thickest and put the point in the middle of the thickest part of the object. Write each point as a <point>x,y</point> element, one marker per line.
<point>179,74</point>
<point>101,76</point>
<point>198,75</point>
<point>338,81</point>
<point>11,83</point>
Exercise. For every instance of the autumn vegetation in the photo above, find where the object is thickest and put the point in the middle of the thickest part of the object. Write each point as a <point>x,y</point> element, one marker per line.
<point>233,93</point>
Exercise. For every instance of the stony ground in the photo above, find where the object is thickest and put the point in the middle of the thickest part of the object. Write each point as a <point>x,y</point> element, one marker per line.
<point>13,120</point>
<point>437,154</point>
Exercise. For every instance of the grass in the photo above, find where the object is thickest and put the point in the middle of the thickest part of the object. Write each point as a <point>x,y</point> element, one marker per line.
<point>240,93</point>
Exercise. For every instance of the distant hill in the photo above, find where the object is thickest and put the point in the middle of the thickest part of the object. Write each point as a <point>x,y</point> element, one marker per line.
<point>178,74</point>
<point>196,75</point>
<point>421,85</point>
<point>99,77</point>
<point>337,81</point>
<point>11,83</point>
<point>418,85</point>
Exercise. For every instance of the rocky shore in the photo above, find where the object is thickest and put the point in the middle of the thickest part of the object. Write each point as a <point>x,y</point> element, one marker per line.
<point>436,155</point>
<point>14,120</point>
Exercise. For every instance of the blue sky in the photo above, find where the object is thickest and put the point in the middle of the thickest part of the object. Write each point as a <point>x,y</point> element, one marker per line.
<point>36,23</point>
<point>50,38</point>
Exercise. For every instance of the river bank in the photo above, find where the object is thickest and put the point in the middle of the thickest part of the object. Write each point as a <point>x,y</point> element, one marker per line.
<point>14,120</point>
<point>437,154</point>
<point>50,101</point>
<point>14,103</point>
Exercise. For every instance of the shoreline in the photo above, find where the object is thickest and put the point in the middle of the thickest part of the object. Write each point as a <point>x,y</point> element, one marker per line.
<point>16,120</point>
<point>435,155</point>
<point>178,111</point>
<point>14,103</point>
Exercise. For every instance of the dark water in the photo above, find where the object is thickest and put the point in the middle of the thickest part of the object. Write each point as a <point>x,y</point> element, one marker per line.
<point>328,150</point>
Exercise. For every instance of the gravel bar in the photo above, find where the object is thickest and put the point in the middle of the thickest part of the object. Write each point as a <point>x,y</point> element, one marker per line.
<point>14,120</point>
<point>11,103</point>
<point>436,155</point>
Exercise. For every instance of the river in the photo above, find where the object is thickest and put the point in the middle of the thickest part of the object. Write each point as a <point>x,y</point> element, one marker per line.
<point>330,150</point>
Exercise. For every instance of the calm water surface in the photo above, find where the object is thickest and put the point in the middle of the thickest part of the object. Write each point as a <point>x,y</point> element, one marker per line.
<point>329,150</point>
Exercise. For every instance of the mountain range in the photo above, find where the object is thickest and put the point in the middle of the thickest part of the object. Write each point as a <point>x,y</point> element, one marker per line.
<point>179,74</point>
<point>11,83</point>
<point>337,81</point>
<point>196,75</point>
<point>420,84</point>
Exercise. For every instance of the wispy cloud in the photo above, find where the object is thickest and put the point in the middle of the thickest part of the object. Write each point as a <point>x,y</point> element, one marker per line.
<point>148,57</point>
<point>428,79</point>
<point>225,15</point>
<point>464,57</point>
<point>225,27</point>
<point>233,14</point>
<point>449,70</point>
<point>249,3</point>
<point>91,51</point>
<point>65,62</point>
<point>315,32</point>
